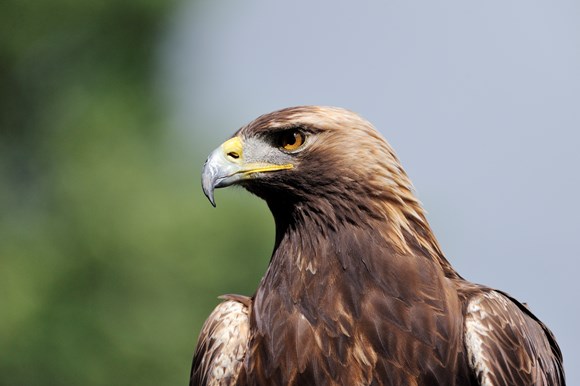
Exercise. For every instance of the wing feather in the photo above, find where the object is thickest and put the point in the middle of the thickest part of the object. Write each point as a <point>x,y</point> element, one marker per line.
<point>222,343</point>
<point>508,345</point>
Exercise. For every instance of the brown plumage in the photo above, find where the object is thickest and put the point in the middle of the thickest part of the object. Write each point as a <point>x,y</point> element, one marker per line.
<point>358,291</point>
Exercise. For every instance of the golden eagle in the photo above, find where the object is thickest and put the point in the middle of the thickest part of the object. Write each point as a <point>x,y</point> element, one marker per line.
<point>358,291</point>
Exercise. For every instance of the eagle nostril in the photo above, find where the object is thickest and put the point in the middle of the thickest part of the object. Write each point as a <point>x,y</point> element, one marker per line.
<point>233,155</point>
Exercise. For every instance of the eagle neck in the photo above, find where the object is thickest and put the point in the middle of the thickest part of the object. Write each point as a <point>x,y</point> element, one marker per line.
<point>307,235</point>
<point>308,263</point>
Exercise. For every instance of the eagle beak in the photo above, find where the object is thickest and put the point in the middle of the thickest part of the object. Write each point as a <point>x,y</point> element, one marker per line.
<point>225,166</point>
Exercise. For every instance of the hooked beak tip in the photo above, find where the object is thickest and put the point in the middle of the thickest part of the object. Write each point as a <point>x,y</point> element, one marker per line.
<point>211,199</point>
<point>208,183</point>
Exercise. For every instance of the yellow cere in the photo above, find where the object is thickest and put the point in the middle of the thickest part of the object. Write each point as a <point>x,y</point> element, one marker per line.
<point>233,148</point>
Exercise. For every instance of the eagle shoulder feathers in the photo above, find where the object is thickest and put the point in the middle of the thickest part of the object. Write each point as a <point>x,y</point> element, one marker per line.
<point>222,343</point>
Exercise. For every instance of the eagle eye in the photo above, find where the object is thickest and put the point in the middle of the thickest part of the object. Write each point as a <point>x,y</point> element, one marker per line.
<point>291,140</point>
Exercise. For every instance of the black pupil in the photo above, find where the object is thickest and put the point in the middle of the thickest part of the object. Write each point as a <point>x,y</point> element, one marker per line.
<point>290,139</point>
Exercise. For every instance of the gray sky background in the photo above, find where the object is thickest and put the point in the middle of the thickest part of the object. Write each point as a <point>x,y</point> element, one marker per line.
<point>481,101</point>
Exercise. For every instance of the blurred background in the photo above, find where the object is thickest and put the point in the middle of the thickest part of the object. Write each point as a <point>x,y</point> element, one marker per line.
<point>111,258</point>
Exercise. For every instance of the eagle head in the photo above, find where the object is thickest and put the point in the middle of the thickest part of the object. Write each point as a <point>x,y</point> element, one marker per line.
<point>322,157</point>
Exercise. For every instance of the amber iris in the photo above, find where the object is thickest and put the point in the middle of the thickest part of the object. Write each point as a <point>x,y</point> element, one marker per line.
<point>291,140</point>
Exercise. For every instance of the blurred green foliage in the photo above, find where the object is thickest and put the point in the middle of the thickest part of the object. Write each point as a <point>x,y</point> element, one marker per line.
<point>110,256</point>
